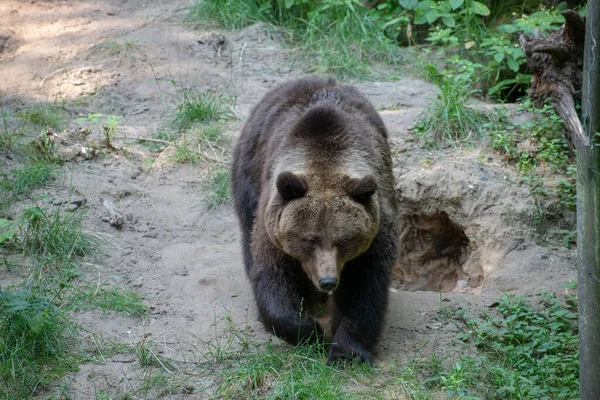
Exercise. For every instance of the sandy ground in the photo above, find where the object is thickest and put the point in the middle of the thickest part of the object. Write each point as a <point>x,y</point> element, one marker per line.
<point>185,260</point>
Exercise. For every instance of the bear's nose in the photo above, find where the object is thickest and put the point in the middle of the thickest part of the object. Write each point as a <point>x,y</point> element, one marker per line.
<point>328,284</point>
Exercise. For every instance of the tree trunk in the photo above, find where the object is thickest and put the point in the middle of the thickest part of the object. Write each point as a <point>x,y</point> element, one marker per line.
<point>556,62</point>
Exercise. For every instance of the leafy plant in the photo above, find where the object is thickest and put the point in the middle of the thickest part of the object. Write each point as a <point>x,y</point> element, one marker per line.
<point>106,124</point>
<point>448,119</point>
<point>535,145</point>
<point>530,352</point>
<point>8,231</point>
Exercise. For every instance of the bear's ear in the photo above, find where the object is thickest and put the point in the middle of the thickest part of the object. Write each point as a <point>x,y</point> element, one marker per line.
<point>361,190</point>
<point>291,186</point>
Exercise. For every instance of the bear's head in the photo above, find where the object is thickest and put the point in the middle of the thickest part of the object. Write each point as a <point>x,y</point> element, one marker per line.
<point>323,222</point>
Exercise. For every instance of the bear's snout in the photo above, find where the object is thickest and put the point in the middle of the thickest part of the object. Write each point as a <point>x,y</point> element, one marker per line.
<point>328,284</point>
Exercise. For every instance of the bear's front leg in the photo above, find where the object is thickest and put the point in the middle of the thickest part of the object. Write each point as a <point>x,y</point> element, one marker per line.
<point>360,306</point>
<point>282,308</point>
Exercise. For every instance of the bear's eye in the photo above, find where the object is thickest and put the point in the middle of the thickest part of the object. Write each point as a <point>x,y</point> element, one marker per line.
<point>310,242</point>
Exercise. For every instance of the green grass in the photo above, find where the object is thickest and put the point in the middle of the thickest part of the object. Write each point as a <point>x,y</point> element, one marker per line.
<point>244,368</point>
<point>184,152</point>
<point>341,34</point>
<point>21,181</point>
<point>8,133</point>
<point>519,349</point>
<point>538,150</point>
<point>149,356</point>
<point>201,107</point>
<point>448,120</point>
<point>36,340</point>
<point>45,115</point>
<point>41,254</point>
<point>230,14</point>
<point>126,49</point>
<point>107,297</point>
<point>217,188</point>
<point>55,239</point>
<point>529,351</point>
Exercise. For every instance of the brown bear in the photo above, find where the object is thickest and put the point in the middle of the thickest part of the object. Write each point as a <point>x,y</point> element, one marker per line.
<point>313,189</point>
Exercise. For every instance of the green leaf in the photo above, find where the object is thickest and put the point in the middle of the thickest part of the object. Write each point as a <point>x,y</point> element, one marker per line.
<point>289,3</point>
<point>420,17</point>
<point>508,28</point>
<point>8,230</point>
<point>36,323</point>
<point>569,285</point>
<point>426,5</point>
<point>449,21</point>
<point>499,57</point>
<point>456,3</point>
<point>432,15</point>
<point>513,64</point>
<point>480,9</point>
<point>392,22</point>
<point>409,4</point>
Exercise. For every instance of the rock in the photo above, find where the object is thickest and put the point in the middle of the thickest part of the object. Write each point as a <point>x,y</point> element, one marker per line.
<point>78,201</point>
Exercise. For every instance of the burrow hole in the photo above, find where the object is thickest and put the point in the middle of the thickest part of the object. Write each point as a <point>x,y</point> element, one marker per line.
<point>432,252</point>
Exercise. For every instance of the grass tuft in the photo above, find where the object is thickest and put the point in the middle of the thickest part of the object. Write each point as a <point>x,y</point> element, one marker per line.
<point>120,50</point>
<point>448,120</point>
<point>45,115</point>
<point>201,107</point>
<point>8,133</point>
<point>111,298</point>
<point>25,179</point>
<point>217,188</point>
<point>35,342</point>
<point>55,239</point>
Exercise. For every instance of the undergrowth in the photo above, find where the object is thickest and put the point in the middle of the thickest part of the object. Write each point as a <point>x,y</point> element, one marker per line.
<point>45,115</point>
<point>447,119</point>
<point>530,351</point>
<point>217,187</point>
<point>201,107</point>
<point>42,249</point>
<point>36,343</point>
<point>538,150</point>
<point>340,34</point>
<point>520,349</point>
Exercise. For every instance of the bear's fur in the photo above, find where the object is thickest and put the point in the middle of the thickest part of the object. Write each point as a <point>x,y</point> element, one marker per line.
<point>313,189</point>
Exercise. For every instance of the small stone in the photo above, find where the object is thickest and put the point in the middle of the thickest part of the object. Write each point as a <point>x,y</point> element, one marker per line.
<point>78,201</point>
<point>71,207</point>
<point>483,178</point>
